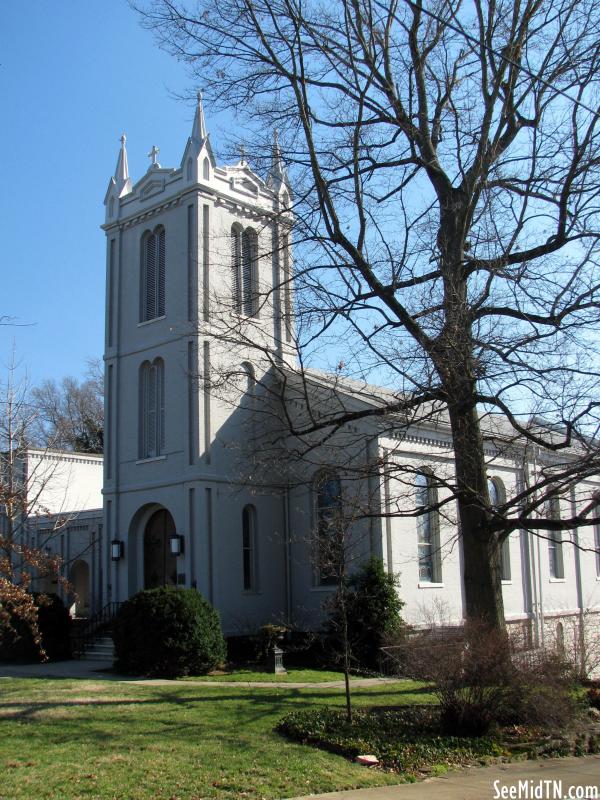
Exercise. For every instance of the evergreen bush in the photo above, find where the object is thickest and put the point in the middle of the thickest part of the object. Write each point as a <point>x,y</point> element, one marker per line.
<point>168,632</point>
<point>54,623</point>
<point>370,602</point>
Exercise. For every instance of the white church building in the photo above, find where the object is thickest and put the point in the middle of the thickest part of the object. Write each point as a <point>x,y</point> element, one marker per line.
<point>199,330</point>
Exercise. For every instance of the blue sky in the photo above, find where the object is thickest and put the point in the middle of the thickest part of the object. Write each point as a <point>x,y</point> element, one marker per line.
<point>74,74</point>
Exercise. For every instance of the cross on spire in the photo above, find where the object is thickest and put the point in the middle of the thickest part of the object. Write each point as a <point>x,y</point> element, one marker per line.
<point>153,154</point>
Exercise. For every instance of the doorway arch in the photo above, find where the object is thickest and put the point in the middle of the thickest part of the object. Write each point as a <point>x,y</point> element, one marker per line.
<point>80,580</point>
<point>160,566</point>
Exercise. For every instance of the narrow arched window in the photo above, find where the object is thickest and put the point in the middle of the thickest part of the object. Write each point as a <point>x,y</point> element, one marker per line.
<point>329,545</point>
<point>152,290</point>
<point>206,169</point>
<point>152,409</point>
<point>249,270</point>
<point>189,169</point>
<point>597,545</point>
<point>287,287</point>
<point>244,269</point>
<point>496,495</point>
<point>555,544</point>
<point>249,549</point>
<point>428,529</point>
<point>236,267</point>
<point>250,378</point>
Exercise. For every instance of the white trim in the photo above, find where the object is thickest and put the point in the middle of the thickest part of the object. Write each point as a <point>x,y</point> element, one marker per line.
<point>149,321</point>
<point>430,585</point>
<point>557,580</point>
<point>151,458</point>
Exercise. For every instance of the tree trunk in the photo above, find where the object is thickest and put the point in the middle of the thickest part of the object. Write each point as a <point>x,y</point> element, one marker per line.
<point>481,551</point>
<point>455,360</point>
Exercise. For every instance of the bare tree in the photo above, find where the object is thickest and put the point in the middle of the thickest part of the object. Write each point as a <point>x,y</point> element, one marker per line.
<point>445,161</point>
<point>22,486</point>
<point>71,413</point>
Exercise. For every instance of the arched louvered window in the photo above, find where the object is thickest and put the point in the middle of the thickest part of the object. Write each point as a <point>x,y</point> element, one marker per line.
<point>206,169</point>
<point>428,529</point>
<point>287,287</point>
<point>236,267</point>
<point>152,409</point>
<point>244,252</point>
<point>249,549</point>
<point>329,545</point>
<point>152,294</point>
<point>555,544</point>
<point>496,494</point>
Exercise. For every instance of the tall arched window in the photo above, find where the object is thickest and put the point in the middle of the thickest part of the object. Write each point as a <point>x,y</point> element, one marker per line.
<point>496,494</point>
<point>555,545</point>
<point>152,289</point>
<point>244,253</point>
<point>329,545</point>
<point>206,169</point>
<point>428,529</point>
<point>249,549</point>
<point>597,545</point>
<point>152,409</point>
<point>287,287</point>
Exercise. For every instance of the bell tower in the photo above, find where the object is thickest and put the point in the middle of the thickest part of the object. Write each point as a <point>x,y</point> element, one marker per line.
<point>198,291</point>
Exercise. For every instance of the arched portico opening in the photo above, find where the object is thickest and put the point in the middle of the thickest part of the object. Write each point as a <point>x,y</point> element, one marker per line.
<point>80,581</point>
<point>160,566</point>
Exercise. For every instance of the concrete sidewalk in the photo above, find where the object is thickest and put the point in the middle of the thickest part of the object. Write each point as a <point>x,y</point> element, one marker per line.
<point>491,783</point>
<point>100,670</point>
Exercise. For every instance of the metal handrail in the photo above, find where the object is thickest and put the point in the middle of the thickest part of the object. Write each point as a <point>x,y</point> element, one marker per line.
<point>84,637</point>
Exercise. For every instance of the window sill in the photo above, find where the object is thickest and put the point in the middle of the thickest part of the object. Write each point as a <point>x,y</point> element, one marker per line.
<point>430,585</point>
<point>329,588</point>
<point>150,321</point>
<point>150,459</point>
<point>251,591</point>
<point>507,582</point>
<point>557,580</point>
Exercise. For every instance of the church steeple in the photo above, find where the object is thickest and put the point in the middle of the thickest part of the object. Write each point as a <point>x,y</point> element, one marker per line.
<point>199,132</point>
<point>119,185</point>
<point>122,170</point>
<point>198,159</point>
<point>277,177</point>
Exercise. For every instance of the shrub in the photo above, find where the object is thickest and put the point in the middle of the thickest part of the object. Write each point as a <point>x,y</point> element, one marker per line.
<point>372,607</point>
<point>593,696</point>
<point>54,624</point>
<point>168,632</point>
<point>480,685</point>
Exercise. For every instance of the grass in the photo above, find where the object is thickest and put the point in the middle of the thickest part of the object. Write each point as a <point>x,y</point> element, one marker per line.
<point>245,675</point>
<point>69,740</point>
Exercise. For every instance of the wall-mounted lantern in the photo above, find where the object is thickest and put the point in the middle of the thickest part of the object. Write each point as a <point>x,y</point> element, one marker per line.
<point>117,549</point>
<point>176,544</point>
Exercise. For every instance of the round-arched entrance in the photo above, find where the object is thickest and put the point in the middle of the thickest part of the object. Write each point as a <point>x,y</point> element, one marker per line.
<point>160,566</point>
<point>80,581</point>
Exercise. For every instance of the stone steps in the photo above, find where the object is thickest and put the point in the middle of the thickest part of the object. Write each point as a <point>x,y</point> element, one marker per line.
<point>102,649</point>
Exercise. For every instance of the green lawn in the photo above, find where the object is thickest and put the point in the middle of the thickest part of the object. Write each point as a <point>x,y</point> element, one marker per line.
<point>68,739</point>
<point>291,676</point>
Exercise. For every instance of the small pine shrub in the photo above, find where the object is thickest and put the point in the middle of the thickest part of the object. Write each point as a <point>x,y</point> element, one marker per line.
<point>593,696</point>
<point>372,607</point>
<point>54,624</point>
<point>168,632</point>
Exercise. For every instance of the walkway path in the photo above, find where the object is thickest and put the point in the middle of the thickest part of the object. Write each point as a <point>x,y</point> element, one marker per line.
<point>98,670</point>
<point>491,783</point>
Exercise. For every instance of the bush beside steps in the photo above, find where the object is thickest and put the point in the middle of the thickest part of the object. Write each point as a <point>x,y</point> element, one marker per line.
<point>168,633</point>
